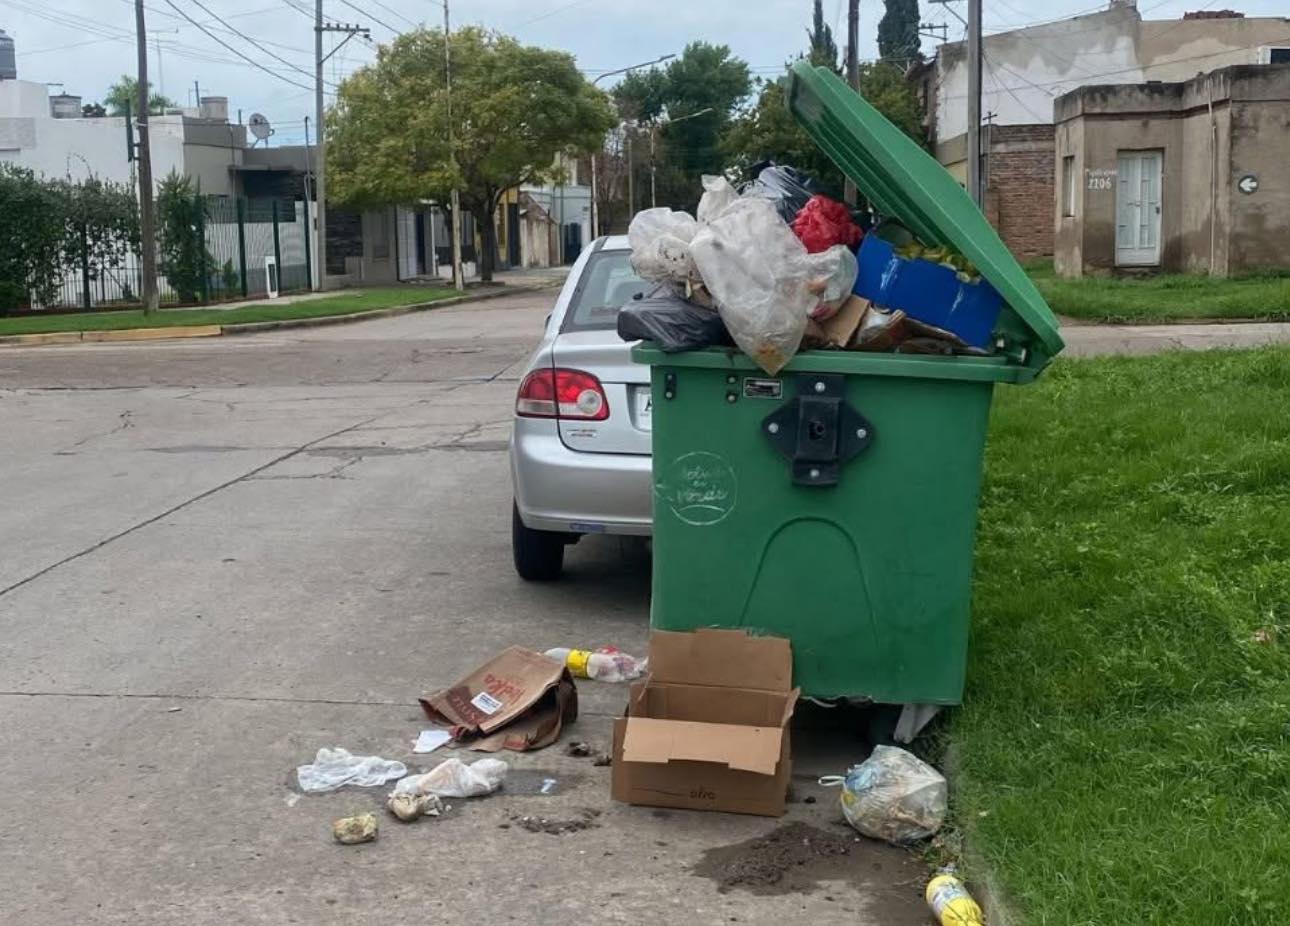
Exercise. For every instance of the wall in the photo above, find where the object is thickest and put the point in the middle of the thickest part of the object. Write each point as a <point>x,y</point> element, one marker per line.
<point>1068,234</point>
<point>1026,69</point>
<point>1214,130</point>
<point>1019,187</point>
<point>1259,142</point>
<point>1019,183</point>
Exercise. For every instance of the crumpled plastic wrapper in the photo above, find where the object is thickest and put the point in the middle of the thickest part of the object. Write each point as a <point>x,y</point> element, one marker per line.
<point>408,806</point>
<point>454,778</point>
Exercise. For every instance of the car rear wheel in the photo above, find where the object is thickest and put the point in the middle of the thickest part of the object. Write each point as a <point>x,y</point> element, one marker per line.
<point>539,555</point>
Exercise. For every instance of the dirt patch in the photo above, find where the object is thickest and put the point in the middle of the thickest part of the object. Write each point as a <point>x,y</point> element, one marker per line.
<point>795,858</point>
<point>585,820</point>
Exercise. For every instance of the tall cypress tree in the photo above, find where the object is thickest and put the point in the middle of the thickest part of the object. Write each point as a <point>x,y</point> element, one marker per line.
<point>898,39</point>
<point>824,52</point>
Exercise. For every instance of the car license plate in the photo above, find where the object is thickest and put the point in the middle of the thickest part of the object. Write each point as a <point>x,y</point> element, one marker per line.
<point>644,408</point>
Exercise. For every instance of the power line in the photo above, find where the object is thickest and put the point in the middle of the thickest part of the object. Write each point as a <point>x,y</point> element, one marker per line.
<point>358,9</point>
<point>247,59</point>
<point>394,12</point>
<point>247,38</point>
<point>550,13</point>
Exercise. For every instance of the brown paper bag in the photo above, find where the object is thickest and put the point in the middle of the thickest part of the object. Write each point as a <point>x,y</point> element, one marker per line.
<point>517,700</point>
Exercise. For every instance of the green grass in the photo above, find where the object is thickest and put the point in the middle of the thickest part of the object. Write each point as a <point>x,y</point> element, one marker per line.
<point>1123,754</point>
<point>366,301</point>
<point>1164,297</point>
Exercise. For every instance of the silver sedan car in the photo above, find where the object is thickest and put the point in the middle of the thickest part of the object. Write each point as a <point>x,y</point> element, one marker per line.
<point>580,446</point>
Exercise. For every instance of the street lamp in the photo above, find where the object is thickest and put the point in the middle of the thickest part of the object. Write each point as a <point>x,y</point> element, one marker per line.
<point>653,201</point>
<point>595,208</point>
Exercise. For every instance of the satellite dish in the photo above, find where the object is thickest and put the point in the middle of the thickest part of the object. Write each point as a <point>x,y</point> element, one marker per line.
<point>259,127</point>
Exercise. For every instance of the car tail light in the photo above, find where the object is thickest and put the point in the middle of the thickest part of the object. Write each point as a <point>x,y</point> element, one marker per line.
<point>558,393</point>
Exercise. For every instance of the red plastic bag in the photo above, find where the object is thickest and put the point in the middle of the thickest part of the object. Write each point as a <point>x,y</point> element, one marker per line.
<point>824,222</point>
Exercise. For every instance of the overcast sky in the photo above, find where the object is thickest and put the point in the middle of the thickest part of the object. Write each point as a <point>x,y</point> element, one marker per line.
<point>87,44</point>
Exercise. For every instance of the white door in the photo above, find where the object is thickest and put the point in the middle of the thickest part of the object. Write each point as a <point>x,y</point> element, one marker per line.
<point>1137,209</point>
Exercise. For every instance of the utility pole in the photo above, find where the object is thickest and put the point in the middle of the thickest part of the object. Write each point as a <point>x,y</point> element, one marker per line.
<point>853,75</point>
<point>147,225</point>
<point>595,206</point>
<point>320,175</point>
<point>653,198</point>
<point>974,101</point>
<point>455,195</point>
<point>631,179</point>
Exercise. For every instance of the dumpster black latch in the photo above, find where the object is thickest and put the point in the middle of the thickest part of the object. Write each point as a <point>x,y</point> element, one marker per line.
<point>817,431</point>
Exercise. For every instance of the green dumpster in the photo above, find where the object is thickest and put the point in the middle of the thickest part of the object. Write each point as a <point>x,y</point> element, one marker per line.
<point>835,503</point>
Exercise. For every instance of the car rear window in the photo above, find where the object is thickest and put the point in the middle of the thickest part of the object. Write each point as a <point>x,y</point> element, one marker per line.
<point>608,282</point>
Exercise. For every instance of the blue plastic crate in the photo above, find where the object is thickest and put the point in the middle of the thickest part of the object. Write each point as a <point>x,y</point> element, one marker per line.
<point>928,292</point>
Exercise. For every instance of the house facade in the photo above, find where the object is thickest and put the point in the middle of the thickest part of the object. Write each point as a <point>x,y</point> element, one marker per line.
<point>1179,176</point>
<point>1025,70</point>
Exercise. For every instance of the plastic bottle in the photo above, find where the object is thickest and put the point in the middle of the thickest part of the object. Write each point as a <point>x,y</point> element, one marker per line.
<point>606,664</point>
<point>950,901</point>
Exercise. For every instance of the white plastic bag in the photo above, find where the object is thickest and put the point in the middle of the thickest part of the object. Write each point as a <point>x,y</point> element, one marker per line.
<point>717,195</point>
<point>833,276</point>
<point>454,778</point>
<point>335,768</point>
<point>660,243</point>
<point>756,270</point>
<point>893,795</point>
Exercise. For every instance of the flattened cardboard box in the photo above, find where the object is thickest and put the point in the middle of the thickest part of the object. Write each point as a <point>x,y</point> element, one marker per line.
<point>708,729</point>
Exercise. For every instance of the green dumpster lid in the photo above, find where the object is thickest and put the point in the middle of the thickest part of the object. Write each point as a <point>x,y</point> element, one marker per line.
<point>905,183</point>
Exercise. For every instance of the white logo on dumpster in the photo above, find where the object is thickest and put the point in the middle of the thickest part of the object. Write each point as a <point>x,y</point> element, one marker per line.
<point>700,488</point>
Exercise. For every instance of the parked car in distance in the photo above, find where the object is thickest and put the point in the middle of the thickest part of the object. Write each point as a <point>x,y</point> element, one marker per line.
<point>580,444</point>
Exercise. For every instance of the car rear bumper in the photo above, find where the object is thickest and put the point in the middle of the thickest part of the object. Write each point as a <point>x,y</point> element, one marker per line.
<point>558,489</point>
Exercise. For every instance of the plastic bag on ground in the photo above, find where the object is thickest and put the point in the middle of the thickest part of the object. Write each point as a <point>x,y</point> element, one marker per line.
<point>672,323</point>
<point>833,275</point>
<point>756,270</point>
<point>895,796</point>
<point>788,188</point>
<point>454,778</point>
<point>824,222</point>
<point>660,243</point>
<point>717,195</point>
<point>335,768</point>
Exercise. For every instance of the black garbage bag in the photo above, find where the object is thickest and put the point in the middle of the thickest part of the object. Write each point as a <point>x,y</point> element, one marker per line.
<point>787,187</point>
<point>672,323</point>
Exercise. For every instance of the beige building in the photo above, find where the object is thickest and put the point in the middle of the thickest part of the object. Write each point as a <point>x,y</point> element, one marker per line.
<point>1025,70</point>
<point>1190,176</point>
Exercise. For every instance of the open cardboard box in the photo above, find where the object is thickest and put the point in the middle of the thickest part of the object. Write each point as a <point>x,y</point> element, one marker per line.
<point>708,728</point>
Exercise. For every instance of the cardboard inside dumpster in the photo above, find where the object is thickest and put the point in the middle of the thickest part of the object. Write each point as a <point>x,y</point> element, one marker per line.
<point>708,728</point>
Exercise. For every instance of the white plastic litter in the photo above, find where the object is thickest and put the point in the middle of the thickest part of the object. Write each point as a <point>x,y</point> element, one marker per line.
<point>335,768</point>
<point>833,276</point>
<point>660,243</point>
<point>893,795</point>
<point>431,739</point>
<point>717,195</point>
<point>757,272</point>
<point>454,778</point>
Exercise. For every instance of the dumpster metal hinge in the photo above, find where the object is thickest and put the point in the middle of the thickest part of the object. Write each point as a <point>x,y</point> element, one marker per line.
<point>817,431</point>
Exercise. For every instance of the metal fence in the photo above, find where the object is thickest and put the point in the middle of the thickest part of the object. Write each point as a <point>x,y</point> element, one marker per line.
<point>244,240</point>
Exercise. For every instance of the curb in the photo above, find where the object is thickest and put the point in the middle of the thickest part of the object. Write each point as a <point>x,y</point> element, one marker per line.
<point>209,331</point>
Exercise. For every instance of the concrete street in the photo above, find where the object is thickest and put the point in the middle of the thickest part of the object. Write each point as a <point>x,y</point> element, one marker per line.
<point>223,554</point>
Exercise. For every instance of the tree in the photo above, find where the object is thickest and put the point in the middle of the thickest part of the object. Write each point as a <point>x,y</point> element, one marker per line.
<point>768,130</point>
<point>824,51</point>
<point>122,97</point>
<point>181,242</point>
<point>515,109</point>
<point>898,39</point>
<point>672,102</point>
<point>93,111</point>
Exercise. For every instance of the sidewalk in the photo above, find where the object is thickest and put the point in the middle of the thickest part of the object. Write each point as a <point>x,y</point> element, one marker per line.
<point>1098,340</point>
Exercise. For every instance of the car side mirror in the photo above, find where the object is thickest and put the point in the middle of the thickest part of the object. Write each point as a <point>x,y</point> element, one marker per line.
<point>547,323</point>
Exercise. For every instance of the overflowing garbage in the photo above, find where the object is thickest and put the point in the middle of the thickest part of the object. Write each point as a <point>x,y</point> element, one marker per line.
<point>765,267</point>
